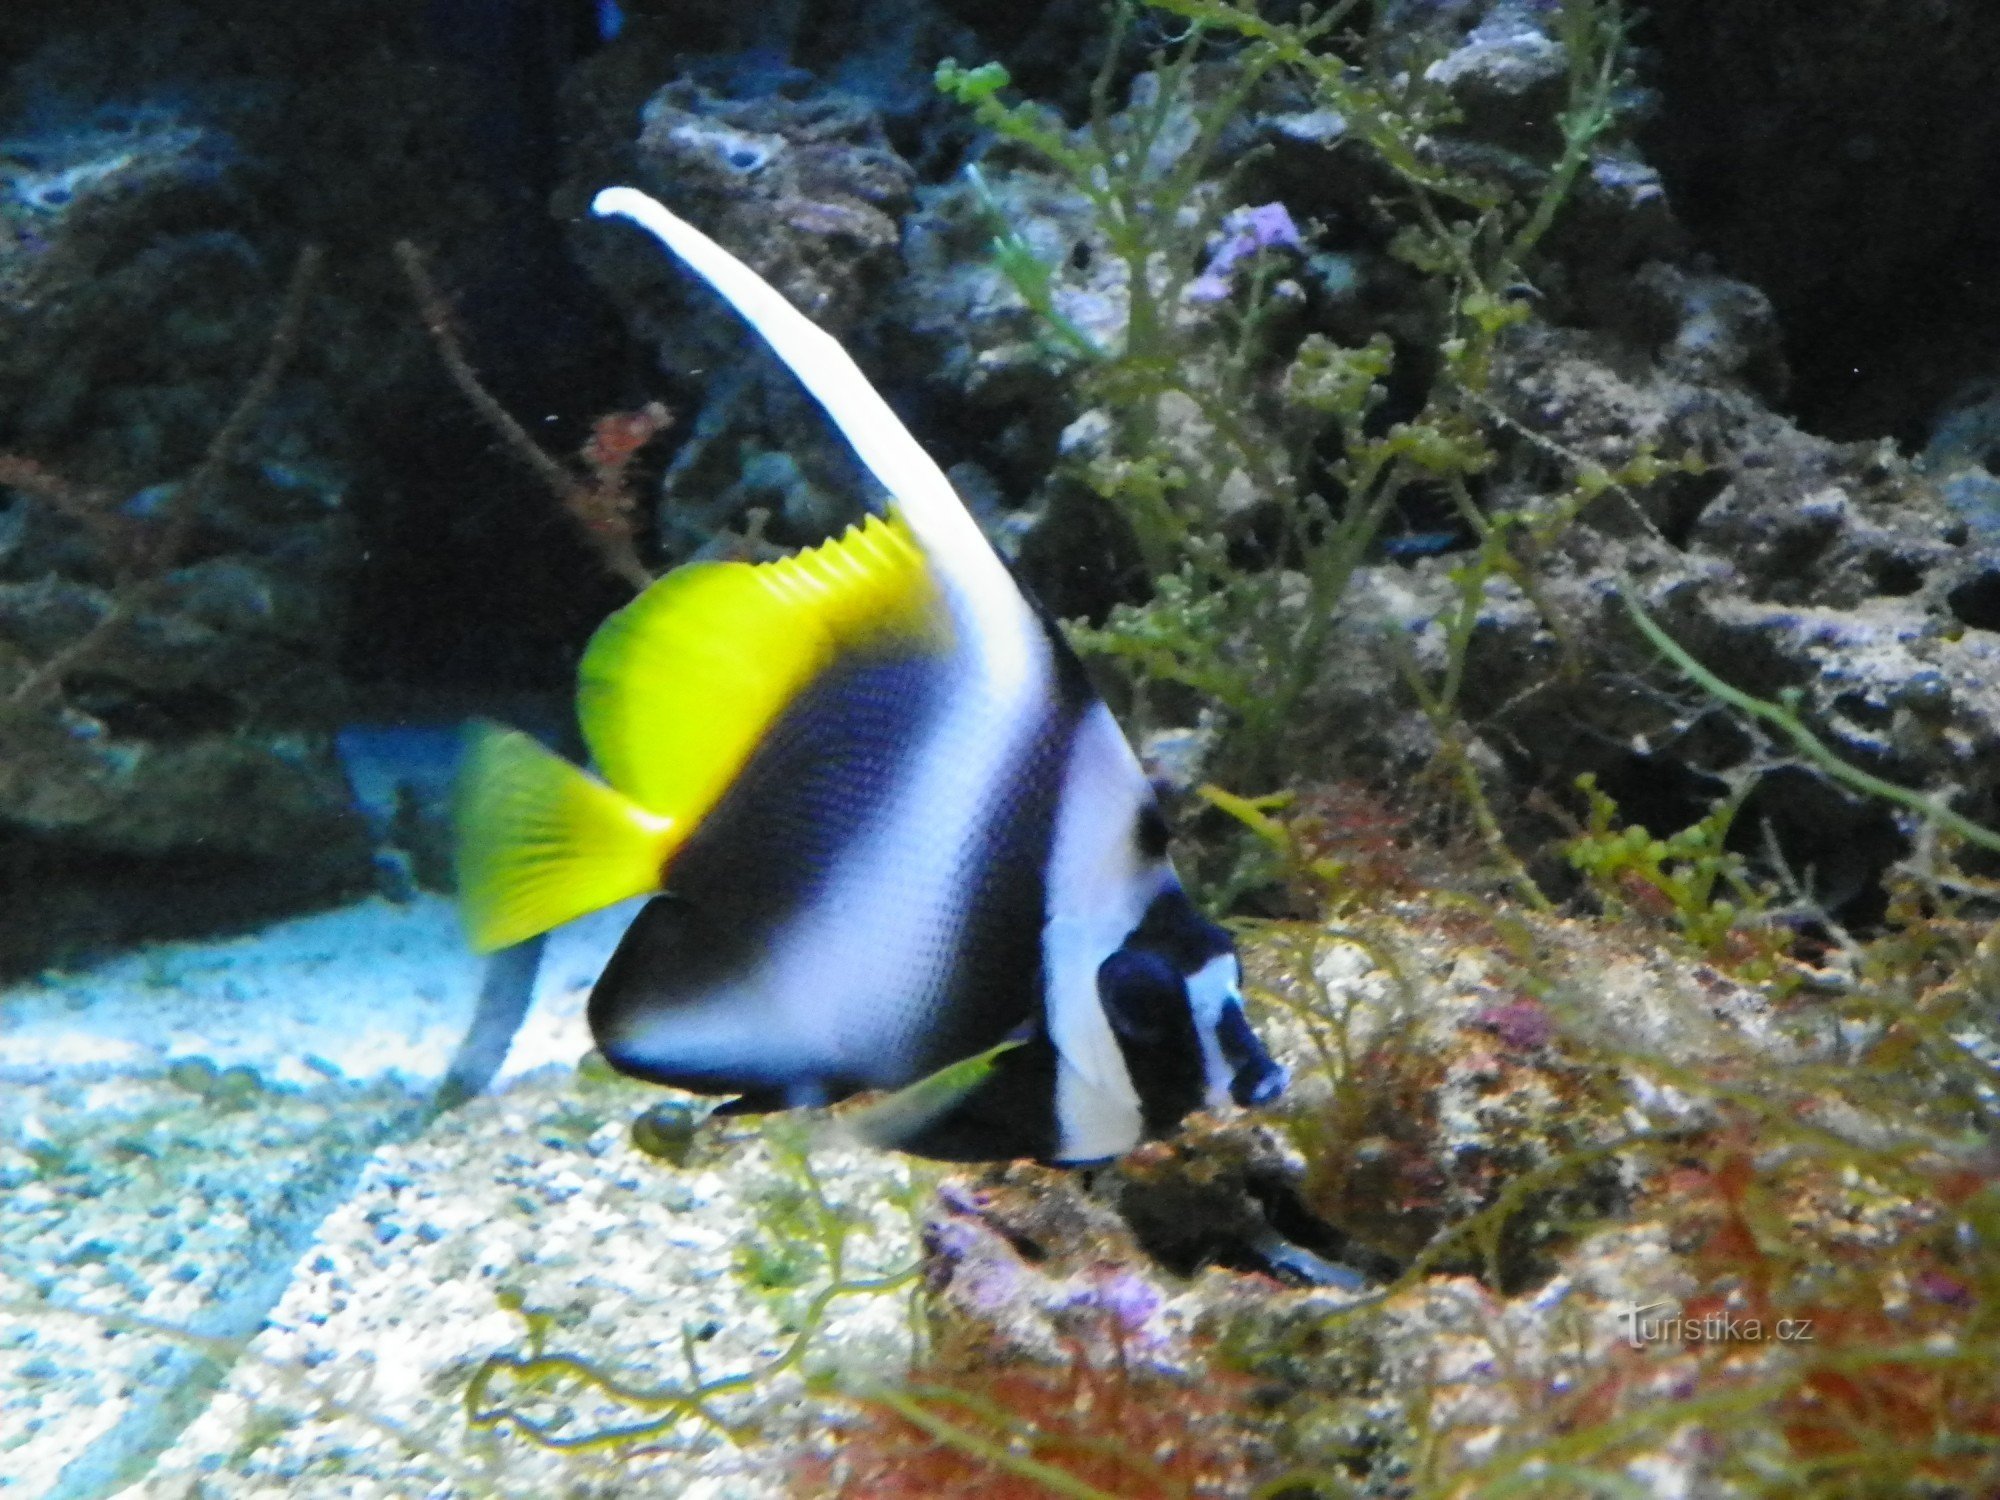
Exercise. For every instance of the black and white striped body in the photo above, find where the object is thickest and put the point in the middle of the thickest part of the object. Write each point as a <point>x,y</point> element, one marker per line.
<point>932,852</point>
<point>898,881</point>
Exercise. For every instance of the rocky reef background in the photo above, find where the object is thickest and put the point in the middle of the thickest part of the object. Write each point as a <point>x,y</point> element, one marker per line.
<point>248,518</point>
<point>164,169</point>
<point>1769,266</point>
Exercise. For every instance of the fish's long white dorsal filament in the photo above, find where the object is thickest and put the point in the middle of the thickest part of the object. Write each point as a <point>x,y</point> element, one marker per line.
<point>911,476</point>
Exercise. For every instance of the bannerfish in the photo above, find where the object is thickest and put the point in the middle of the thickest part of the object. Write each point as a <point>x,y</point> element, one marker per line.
<point>893,838</point>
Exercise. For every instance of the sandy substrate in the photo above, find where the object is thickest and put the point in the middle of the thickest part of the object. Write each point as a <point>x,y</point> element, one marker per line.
<point>379,990</point>
<point>280,1282</point>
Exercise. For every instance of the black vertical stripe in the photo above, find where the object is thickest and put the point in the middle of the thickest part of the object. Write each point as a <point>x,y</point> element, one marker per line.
<point>1145,998</point>
<point>833,764</point>
<point>999,978</point>
<point>829,769</point>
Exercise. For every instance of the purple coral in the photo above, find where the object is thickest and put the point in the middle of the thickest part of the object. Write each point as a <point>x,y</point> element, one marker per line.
<point>1130,1301</point>
<point>1523,1024</point>
<point>1245,231</point>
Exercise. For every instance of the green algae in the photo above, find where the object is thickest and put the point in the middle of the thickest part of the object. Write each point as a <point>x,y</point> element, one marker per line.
<point>799,1254</point>
<point>1820,1164</point>
<point>1250,641</point>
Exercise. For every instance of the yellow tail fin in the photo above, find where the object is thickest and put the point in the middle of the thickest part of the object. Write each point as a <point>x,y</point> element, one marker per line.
<point>541,842</point>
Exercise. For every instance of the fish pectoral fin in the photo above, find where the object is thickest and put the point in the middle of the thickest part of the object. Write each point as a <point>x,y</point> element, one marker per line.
<point>677,689</point>
<point>541,842</point>
<point>755,1102</point>
<point>891,1122</point>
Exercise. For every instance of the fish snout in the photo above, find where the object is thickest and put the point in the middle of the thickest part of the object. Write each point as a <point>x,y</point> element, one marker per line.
<point>1260,1083</point>
<point>1256,1078</point>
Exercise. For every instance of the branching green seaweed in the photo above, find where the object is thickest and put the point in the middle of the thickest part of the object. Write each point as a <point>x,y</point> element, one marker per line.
<point>1783,716</point>
<point>803,1241</point>
<point>1690,877</point>
<point>1846,1182</point>
<point>1103,1427</point>
<point>1849,1191</point>
<point>225,1354</point>
<point>1251,639</point>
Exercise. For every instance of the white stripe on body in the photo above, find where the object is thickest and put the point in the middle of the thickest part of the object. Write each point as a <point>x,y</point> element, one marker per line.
<point>1099,888</point>
<point>1217,983</point>
<point>850,986</point>
<point>869,962</point>
<point>885,930</point>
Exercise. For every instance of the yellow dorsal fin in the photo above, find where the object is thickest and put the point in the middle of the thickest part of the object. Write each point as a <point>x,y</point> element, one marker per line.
<point>541,842</point>
<point>677,688</point>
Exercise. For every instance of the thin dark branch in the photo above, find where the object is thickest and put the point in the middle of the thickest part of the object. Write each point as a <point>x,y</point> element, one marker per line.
<point>235,430</point>
<point>90,507</point>
<point>437,321</point>
<point>596,508</point>
<point>146,563</point>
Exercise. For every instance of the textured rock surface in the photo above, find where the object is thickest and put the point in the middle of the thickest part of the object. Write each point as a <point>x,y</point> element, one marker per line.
<point>809,191</point>
<point>156,189</point>
<point>1792,563</point>
<point>349,1263</point>
<point>126,349</point>
<point>1453,1057</point>
<point>273,1192</point>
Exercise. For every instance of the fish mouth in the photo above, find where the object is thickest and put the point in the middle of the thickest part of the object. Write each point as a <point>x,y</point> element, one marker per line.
<point>1255,1077</point>
<point>1259,1085</point>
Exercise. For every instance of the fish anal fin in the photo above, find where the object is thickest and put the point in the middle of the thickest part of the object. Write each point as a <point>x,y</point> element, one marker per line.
<point>541,843</point>
<point>900,1118</point>
<point>758,1102</point>
<point>678,688</point>
<point>775,1099</point>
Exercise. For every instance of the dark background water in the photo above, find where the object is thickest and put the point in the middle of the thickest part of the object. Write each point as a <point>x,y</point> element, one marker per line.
<point>1846,171</point>
<point>1854,185</point>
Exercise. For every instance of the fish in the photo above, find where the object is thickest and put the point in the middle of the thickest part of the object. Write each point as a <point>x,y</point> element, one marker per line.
<point>894,841</point>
